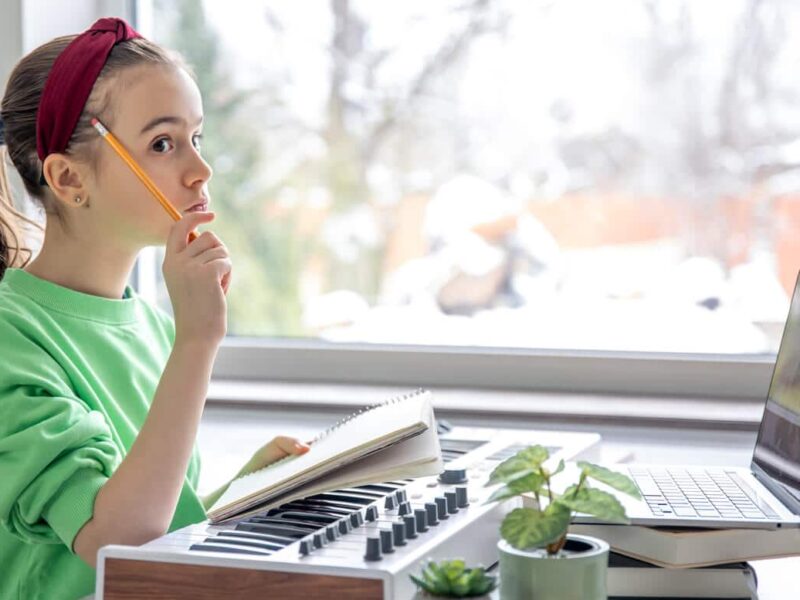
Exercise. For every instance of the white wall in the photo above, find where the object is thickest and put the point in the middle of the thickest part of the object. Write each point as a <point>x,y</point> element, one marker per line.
<point>10,38</point>
<point>25,24</point>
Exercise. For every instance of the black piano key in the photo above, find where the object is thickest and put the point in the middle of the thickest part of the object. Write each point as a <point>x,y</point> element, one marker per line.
<point>307,516</point>
<point>375,487</point>
<point>278,520</point>
<point>229,541</point>
<point>358,492</point>
<point>272,529</point>
<point>205,547</point>
<point>249,537</point>
<point>348,507</point>
<point>341,497</point>
<point>318,507</point>
<point>334,504</point>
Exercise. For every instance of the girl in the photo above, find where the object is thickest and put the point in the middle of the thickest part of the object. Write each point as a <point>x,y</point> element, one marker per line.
<point>101,393</point>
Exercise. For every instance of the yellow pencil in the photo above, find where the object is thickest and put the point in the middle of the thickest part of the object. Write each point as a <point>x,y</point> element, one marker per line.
<point>148,183</point>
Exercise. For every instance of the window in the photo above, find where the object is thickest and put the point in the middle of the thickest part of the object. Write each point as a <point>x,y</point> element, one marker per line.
<point>488,175</point>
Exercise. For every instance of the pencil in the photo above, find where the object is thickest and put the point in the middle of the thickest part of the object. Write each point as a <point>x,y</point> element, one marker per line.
<point>148,183</point>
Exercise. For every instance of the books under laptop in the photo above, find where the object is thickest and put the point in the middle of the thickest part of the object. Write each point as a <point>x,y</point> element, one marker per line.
<point>767,495</point>
<point>392,440</point>
<point>631,578</point>
<point>692,547</point>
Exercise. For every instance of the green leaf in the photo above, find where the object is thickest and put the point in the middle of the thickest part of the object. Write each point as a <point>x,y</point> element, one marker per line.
<point>594,502</point>
<point>437,578</point>
<point>618,481</point>
<point>420,583</point>
<point>528,459</point>
<point>453,568</point>
<point>527,528</point>
<point>451,578</point>
<point>460,587</point>
<point>559,468</point>
<point>531,482</point>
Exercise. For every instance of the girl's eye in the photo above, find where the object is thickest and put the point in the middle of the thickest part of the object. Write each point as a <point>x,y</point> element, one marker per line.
<point>161,145</point>
<point>198,139</point>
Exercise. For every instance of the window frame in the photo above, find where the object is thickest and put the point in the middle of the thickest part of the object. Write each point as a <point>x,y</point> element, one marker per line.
<point>707,376</point>
<point>712,376</point>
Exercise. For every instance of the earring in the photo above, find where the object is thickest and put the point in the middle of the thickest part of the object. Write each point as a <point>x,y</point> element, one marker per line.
<point>77,199</point>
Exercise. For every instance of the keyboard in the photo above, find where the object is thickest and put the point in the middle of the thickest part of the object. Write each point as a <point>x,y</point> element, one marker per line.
<point>696,493</point>
<point>360,542</point>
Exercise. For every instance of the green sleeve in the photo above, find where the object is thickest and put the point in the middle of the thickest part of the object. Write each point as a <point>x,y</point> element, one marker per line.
<point>55,453</point>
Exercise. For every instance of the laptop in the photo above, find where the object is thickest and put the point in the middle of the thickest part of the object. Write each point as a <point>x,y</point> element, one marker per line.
<point>765,496</point>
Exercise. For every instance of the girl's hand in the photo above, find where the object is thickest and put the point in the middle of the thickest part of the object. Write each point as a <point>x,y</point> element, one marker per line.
<point>278,448</point>
<point>197,275</point>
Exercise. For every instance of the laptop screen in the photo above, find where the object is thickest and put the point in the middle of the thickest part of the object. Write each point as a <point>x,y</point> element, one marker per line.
<point>777,451</point>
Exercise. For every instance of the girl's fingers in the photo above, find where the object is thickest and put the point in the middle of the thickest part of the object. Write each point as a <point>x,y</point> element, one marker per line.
<point>226,282</point>
<point>215,253</point>
<point>205,241</point>
<point>178,237</point>
<point>282,446</point>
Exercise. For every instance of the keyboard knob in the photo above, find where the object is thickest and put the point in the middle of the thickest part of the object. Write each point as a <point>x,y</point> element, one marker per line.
<point>344,526</point>
<point>399,531</point>
<point>390,503</point>
<point>410,523</point>
<point>306,547</point>
<point>356,519</point>
<point>452,504</point>
<point>401,496</point>
<point>387,542</point>
<point>453,476</point>
<point>441,508</point>
<point>330,533</point>
<point>430,510</point>
<point>319,541</point>
<point>373,549</point>
<point>372,513</point>
<point>462,501</point>
<point>421,518</point>
<point>404,508</point>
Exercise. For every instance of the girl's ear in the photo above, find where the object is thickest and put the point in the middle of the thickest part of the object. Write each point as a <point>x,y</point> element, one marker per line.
<point>67,178</point>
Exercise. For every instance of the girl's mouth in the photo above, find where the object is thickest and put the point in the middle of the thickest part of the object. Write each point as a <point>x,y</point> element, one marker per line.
<point>200,207</point>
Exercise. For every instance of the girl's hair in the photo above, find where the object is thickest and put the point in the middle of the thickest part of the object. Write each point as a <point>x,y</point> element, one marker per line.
<point>18,110</point>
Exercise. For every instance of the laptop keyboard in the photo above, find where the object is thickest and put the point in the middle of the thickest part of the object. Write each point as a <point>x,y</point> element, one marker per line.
<point>696,493</point>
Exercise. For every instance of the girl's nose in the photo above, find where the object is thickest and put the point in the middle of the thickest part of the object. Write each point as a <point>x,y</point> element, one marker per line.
<point>199,171</point>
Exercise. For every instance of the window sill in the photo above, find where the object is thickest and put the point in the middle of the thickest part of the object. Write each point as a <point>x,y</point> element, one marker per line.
<point>594,408</point>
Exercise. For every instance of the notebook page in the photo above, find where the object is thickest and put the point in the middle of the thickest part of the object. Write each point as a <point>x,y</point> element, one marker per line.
<point>375,428</point>
<point>415,457</point>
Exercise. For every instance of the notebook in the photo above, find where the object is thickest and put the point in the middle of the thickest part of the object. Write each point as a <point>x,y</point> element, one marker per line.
<point>391,440</point>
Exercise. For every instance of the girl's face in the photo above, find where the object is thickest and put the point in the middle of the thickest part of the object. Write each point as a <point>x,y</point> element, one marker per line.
<point>157,117</point>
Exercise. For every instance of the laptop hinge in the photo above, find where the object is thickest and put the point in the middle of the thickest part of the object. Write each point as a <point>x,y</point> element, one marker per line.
<point>789,497</point>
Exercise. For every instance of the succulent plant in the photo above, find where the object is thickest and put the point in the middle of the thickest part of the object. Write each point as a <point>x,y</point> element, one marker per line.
<point>452,579</point>
<point>528,528</point>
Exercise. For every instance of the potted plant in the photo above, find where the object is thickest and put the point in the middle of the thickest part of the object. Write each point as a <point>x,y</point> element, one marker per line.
<point>452,579</point>
<point>538,557</point>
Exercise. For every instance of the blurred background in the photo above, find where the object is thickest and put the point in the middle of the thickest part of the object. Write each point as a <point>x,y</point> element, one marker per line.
<point>562,174</point>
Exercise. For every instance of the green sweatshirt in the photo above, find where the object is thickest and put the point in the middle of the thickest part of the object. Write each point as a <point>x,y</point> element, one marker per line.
<point>77,375</point>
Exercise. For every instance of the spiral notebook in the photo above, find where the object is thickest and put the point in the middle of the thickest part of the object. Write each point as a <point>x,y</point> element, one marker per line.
<point>391,440</point>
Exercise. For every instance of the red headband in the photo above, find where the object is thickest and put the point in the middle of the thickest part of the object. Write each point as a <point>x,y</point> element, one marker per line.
<point>71,80</point>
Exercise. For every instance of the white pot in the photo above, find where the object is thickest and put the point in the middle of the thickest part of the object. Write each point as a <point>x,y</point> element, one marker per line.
<point>578,572</point>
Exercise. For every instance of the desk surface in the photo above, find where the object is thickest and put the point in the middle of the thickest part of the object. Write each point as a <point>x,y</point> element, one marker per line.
<point>223,454</point>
